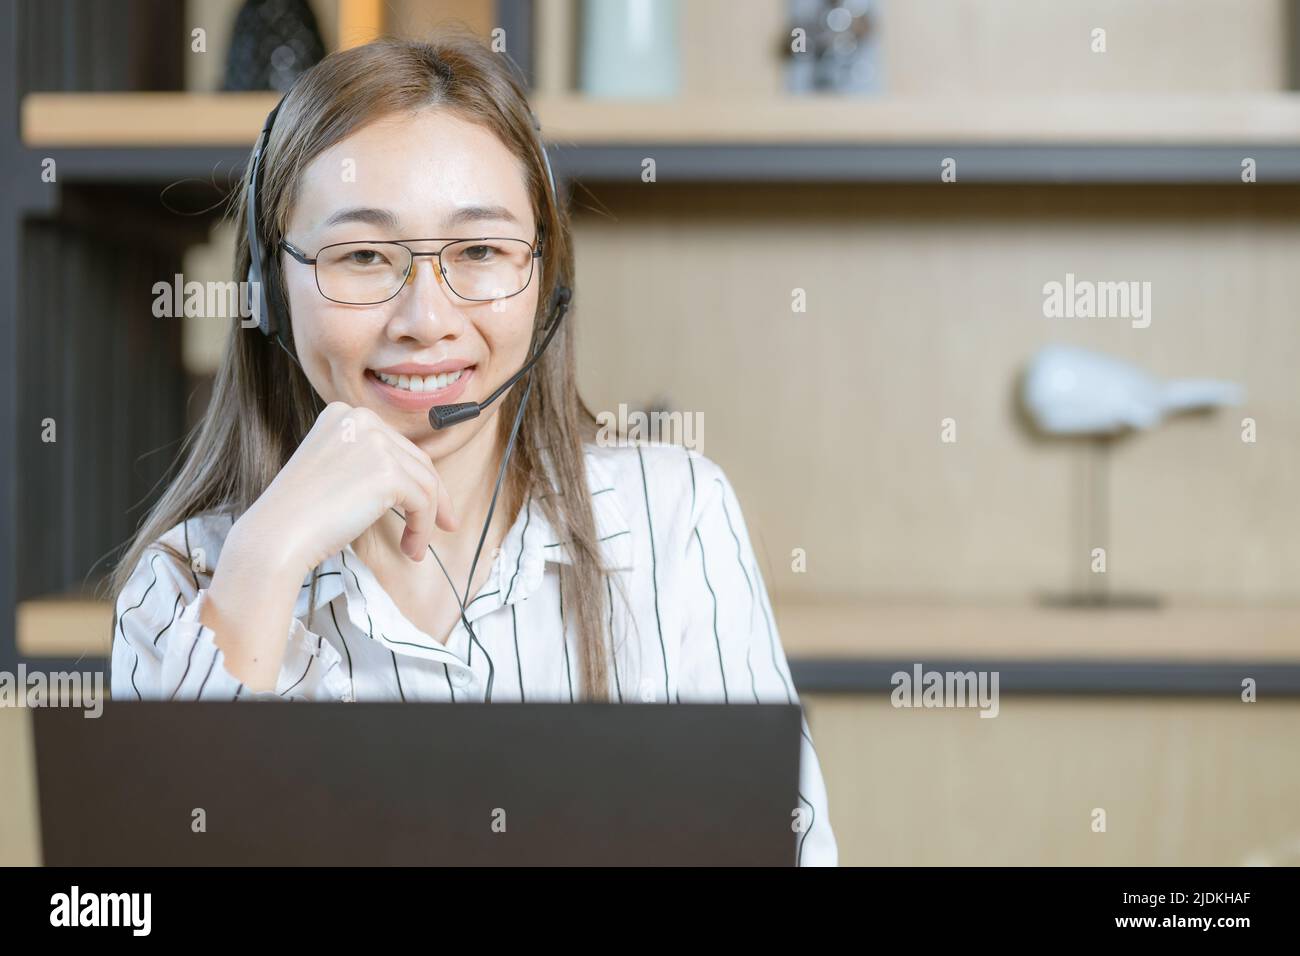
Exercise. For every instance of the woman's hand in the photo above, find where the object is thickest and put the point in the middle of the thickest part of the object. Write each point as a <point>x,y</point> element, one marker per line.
<point>349,470</point>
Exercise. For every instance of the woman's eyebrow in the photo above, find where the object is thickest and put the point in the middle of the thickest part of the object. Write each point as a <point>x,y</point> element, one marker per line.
<point>467,214</point>
<point>367,214</point>
<point>385,219</point>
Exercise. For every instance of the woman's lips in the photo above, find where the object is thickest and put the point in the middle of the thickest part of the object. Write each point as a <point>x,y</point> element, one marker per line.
<point>409,401</point>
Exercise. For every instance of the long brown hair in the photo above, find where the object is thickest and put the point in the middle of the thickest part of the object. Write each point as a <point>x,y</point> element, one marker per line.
<point>262,405</point>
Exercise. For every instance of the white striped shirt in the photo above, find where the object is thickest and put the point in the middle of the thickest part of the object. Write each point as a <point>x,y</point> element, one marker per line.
<point>689,616</point>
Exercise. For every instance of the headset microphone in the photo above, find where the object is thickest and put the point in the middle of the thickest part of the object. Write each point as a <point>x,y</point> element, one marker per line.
<point>441,416</point>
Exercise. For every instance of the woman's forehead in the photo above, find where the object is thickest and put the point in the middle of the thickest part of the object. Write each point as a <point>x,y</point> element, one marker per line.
<point>430,170</point>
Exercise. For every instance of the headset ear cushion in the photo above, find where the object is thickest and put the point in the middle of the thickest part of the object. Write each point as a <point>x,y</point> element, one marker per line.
<point>259,301</point>
<point>552,315</point>
<point>270,297</point>
<point>559,305</point>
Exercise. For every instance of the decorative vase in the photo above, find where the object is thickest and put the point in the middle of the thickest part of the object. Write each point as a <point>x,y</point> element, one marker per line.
<point>629,48</point>
<point>273,41</point>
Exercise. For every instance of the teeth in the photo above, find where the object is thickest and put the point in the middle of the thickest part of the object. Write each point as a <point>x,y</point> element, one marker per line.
<point>417,383</point>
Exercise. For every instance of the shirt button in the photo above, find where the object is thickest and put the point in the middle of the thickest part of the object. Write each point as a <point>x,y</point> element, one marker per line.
<point>461,678</point>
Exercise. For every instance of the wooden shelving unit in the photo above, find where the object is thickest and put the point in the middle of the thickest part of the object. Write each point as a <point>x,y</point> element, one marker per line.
<point>65,628</point>
<point>154,138</point>
<point>232,119</point>
<point>1186,139</point>
<point>857,645</point>
<point>1012,790</point>
<point>143,120</point>
<point>849,646</point>
<point>1186,632</point>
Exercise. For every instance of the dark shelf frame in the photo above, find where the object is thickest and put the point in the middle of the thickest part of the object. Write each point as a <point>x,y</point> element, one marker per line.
<point>1008,164</point>
<point>11,215</point>
<point>13,207</point>
<point>1119,678</point>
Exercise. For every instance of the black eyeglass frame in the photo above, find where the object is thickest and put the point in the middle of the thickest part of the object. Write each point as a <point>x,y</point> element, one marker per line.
<point>306,260</point>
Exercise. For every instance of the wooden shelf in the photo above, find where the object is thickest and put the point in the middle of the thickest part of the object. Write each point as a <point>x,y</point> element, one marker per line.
<point>1180,632</point>
<point>1205,650</point>
<point>160,120</point>
<point>233,119</point>
<point>858,647</point>
<point>887,631</point>
<point>64,627</point>
<point>889,120</point>
<point>156,137</point>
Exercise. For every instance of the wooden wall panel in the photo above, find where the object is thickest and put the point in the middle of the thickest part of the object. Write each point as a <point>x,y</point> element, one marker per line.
<point>924,303</point>
<point>973,47</point>
<point>1022,46</point>
<point>1183,782</point>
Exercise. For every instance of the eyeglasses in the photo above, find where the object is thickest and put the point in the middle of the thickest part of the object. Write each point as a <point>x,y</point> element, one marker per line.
<point>368,273</point>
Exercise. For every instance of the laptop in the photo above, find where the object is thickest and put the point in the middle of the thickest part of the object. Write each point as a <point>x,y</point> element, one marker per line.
<point>316,784</point>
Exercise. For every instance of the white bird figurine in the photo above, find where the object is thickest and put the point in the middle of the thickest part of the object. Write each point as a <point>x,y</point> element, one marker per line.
<point>1072,391</point>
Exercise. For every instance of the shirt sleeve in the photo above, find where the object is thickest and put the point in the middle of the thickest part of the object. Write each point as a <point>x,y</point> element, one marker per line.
<point>731,650</point>
<point>161,650</point>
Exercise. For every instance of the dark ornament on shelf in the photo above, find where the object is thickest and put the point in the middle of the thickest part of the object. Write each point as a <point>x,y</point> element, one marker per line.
<point>272,43</point>
<point>840,46</point>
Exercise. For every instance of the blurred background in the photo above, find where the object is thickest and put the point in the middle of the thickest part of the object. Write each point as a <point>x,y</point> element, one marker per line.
<point>827,229</point>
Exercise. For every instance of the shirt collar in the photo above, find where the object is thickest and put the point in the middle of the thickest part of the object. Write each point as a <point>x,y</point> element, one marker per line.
<point>533,541</point>
<point>613,533</point>
<point>529,545</point>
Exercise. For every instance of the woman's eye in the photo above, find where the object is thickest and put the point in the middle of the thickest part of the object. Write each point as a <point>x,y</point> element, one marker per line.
<point>478,253</point>
<point>366,257</point>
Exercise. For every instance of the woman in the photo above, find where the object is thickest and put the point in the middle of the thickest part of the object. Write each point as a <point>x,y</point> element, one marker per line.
<point>288,559</point>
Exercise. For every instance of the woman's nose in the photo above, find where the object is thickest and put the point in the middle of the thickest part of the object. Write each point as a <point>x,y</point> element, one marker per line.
<point>427,307</point>
<point>425,269</point>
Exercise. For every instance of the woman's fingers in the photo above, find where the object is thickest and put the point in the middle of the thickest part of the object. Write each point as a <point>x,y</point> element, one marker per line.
<point>411,484</point>
<point>447,518</point>
<point>426,508</point>
<point>417,501</point>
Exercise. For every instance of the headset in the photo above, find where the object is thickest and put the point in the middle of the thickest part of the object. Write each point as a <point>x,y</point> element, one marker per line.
<point>264,289</point>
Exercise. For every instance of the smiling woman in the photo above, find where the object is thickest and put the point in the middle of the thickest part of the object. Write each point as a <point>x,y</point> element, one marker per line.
<point>412,257</point>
